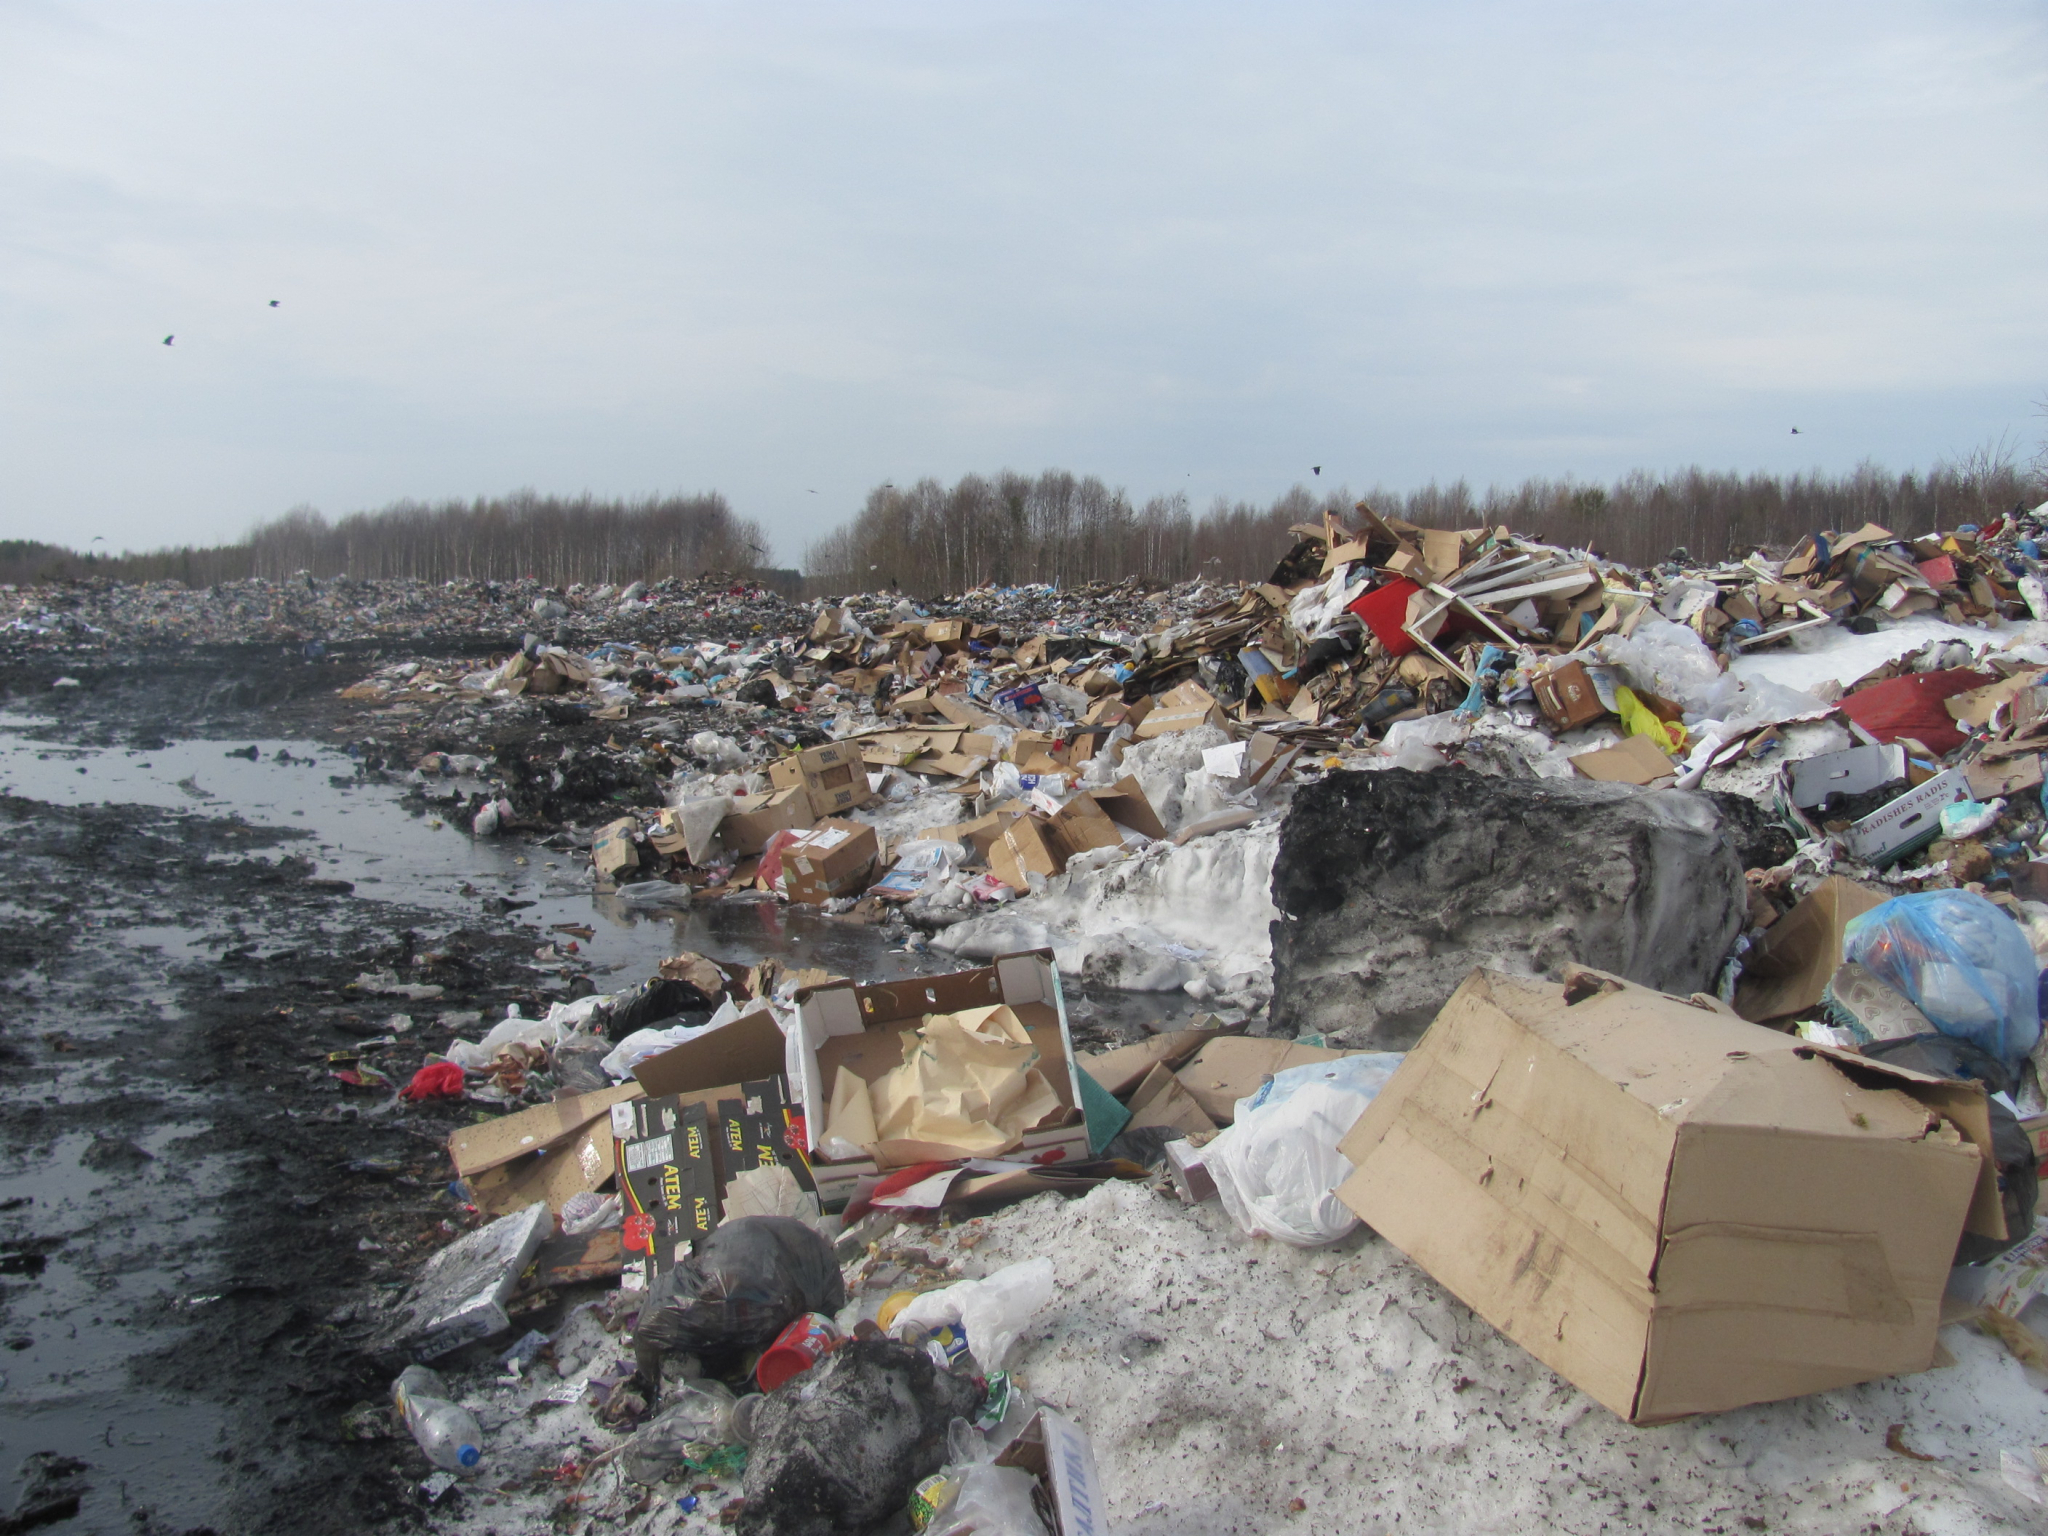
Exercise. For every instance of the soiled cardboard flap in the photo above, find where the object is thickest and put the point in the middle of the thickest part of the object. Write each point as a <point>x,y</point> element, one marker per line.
<point>1637,760</point>
<point>476,1148</point>
<point>1160,1100</point>
<point>585,1162</point>
<point>1231,1067</point>
<point>749,1047</point>
<point>1962,1104</point>
<point>1121,1069</point>
<point>1801,951</point>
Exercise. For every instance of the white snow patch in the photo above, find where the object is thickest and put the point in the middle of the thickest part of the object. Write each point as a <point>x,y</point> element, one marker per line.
<point>1831,653</point>
<point>1193,917</point>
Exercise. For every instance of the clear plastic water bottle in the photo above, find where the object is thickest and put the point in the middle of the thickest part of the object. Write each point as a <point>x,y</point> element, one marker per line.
<point>445,1430</point>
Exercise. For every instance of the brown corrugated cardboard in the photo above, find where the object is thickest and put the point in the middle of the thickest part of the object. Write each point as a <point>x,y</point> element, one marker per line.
<point>1160,1100</point>
<point>1122,1069</point>
<point>832,858</point>
<point>475,1148</point>
<point>1789,970</point>
<point>1232,1067</point>
<point>581,1163</point>
<point>1083,824</point>
<point>1125,804</point>
<point>756,818</point>
<point>1185,708</point>
<point>702,1069</point>
<point>1637,760</point>
<point>1027,847</point>
<point>614,852</point>
<point>832,776</point>
<point>1677,1211</point>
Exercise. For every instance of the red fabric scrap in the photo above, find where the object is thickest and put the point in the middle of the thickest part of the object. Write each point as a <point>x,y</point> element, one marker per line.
<point>439,1080</point>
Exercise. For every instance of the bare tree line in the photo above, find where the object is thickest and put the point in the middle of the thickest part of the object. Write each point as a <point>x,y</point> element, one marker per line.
<point>1056,527</point>
<point>557,539</point>
<point>1009,529</point>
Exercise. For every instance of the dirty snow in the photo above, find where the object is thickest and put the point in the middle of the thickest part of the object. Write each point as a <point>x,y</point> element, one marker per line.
<point>1194,917</point>
<point>1834,654</point>
<point>1222,1377</point>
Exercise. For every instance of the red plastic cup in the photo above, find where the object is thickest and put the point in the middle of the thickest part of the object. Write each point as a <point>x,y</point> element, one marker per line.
<point>796,1349</point>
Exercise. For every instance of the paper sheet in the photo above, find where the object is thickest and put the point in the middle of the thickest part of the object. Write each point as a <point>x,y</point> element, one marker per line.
<point>969,1082</point>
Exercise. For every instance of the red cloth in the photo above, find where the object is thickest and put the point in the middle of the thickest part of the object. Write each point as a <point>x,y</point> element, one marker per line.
<point>441,1080</point>
<point>1914,705</point>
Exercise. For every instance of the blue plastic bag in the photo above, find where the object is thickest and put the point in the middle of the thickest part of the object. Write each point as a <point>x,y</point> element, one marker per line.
<point>1962,961</point>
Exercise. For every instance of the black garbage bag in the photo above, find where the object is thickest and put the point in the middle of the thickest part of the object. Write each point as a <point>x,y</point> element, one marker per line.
<point>2019,1174</point>
<point>576,1067</point>
<point>837,1450</point>
<point>654,1001</point>
<point>747,1281</point>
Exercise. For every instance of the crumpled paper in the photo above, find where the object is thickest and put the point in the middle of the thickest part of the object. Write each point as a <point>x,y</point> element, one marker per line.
<point>969,1086</point>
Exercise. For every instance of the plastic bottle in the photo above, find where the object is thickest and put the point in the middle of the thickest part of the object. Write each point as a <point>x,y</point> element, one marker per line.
<point>445,1430</point>
<point>695,1423</point>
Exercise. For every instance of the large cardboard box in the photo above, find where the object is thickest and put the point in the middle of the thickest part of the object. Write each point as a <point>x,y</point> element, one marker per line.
<point>1677,1211</point>
<point>1026,847</point>
<point>833,776</point>
<point>862,1029</point>
<point>832,858</point>
<point>754,819</point>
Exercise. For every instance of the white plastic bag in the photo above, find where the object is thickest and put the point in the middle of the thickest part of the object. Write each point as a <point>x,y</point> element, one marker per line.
<point>991,1501</point>
<point>1277,1165</point>
<point>510,1030</point>
<point>992,1311</point>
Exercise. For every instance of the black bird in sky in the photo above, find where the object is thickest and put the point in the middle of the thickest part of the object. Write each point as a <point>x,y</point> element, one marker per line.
<point>170,338</point>
<point>273,303</point>
<point>1795,431</point>
<point>1316,469</point>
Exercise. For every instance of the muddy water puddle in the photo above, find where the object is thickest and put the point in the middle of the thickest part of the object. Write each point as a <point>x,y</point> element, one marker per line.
<point>362,832</point>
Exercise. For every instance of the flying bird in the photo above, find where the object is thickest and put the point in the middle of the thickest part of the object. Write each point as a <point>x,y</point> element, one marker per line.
<point>1795,431</point>
<point>99,538</point>
<point>170,338</point>
<point>273,303</point>
<point>1316,469</point>
<point>808,489</point>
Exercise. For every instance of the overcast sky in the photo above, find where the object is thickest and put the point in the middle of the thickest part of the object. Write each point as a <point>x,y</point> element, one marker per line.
<point>775,250</point>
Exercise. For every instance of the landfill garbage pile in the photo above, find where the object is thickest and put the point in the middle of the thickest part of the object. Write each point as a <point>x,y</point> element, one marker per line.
<point>1635,1120</point>
<point>1103,771</point>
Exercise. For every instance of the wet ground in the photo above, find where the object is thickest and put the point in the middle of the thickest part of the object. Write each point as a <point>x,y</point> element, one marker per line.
<point>196,1214</point>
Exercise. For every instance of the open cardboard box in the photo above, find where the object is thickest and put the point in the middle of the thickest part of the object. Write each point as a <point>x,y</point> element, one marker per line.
<point>1677,1211</point>
<point>861,1028</point>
